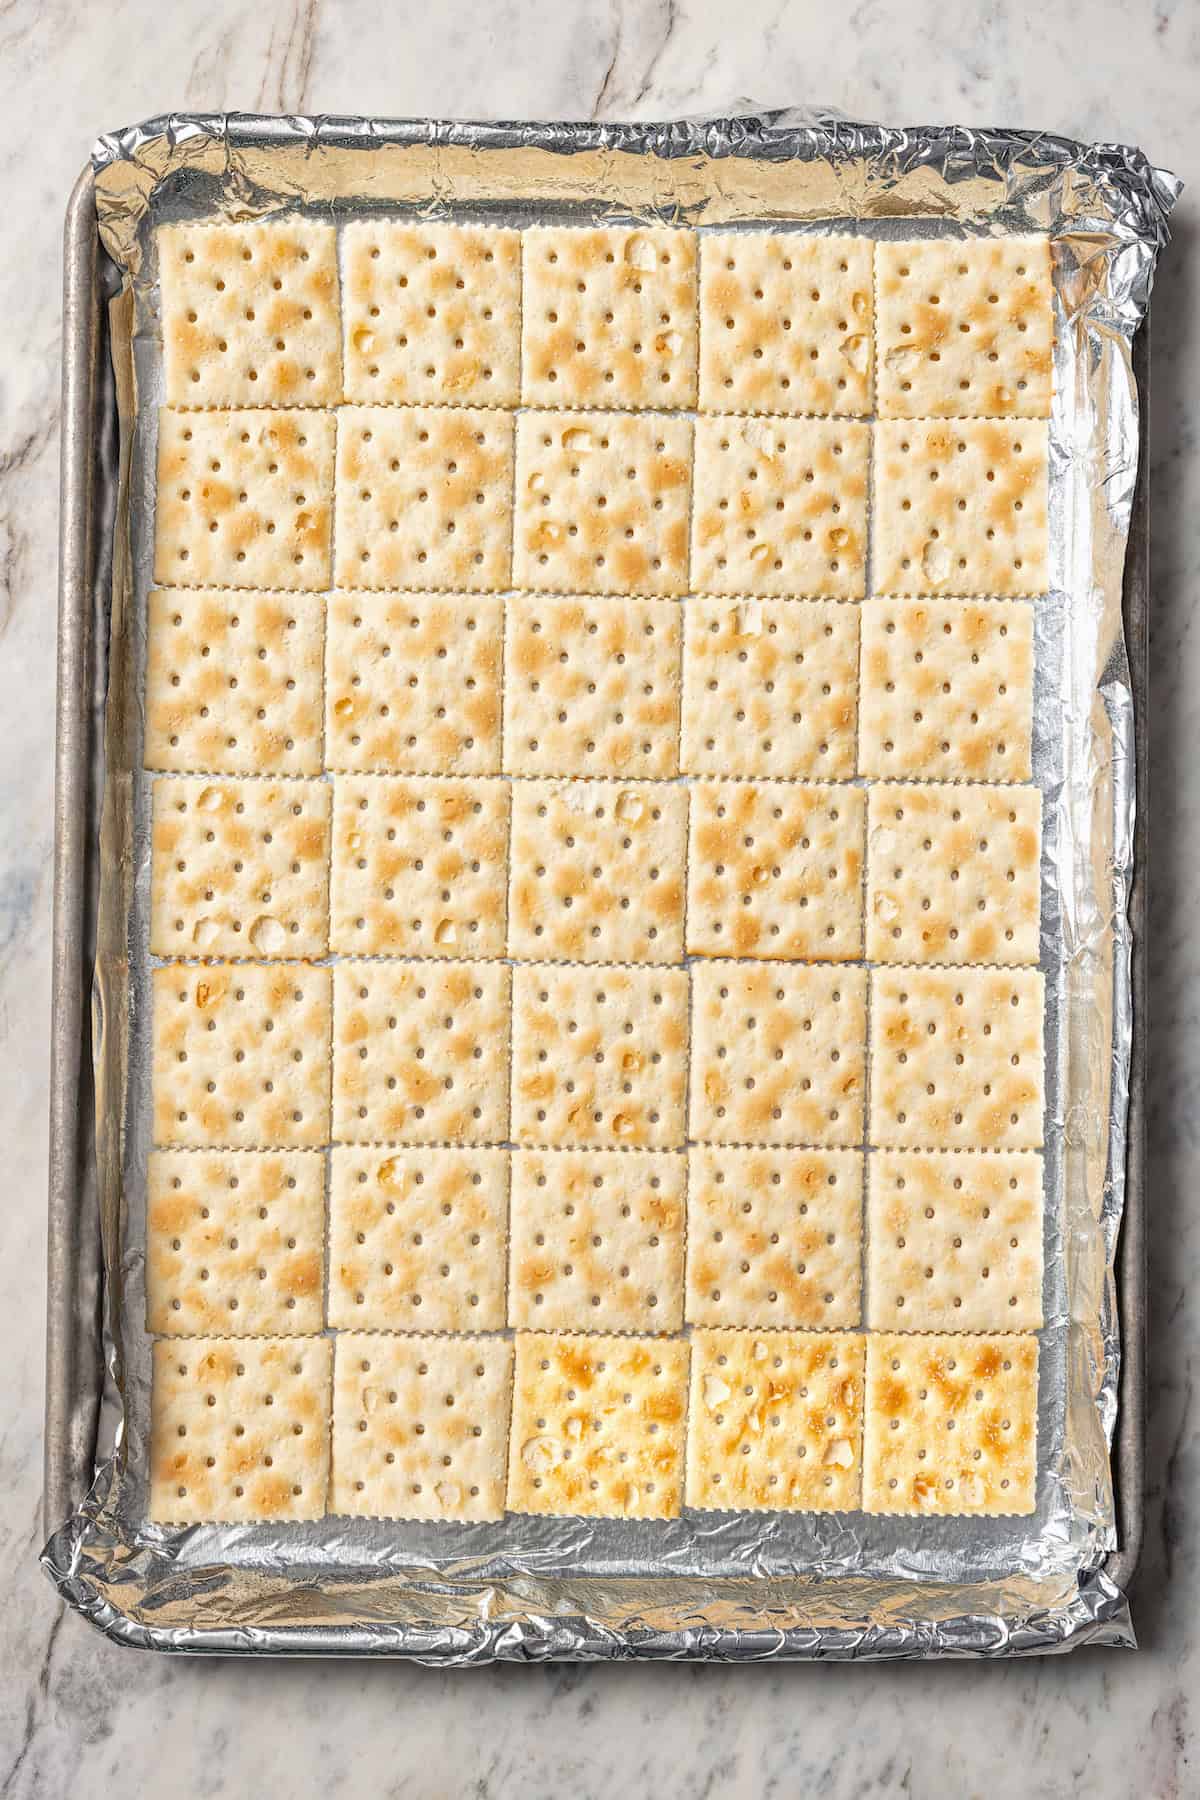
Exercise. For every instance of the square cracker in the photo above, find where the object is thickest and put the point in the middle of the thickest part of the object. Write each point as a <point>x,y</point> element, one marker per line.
<point>609,316</point>
<point>598,1426</point>
<point>418,866</point>
<point>785,323</point>
<point>591,687</point>
<point>954,1241</point>
<point>431,313</point>
<point>778,1053</point>
<point>960,507</point>
<point>235,1242</point>
<point>250,314</point>
<point>241,1055</point>
<point>774,1237</point>
<point>780,507</point>
<point>233,683</point>
<point>239,868</point>
<point>417,1239</point>
<point>420,1426</point>
<point>951,1425</point>
<point>776,1421</point>
<point>599,1056</point>
<point>597,871</point>
<point>775,870</point>
<point>413,684</point>
<point>597,1240</point>
<point>420,1053</point>
<point>965,328</point>
<point>956,1059</point>
<point>244,499</point>
<point>953,874</point>
<point>947,690</point>
<point>239,1429</point>
<point>602,503</point>
<point>424,498</point>
<point>770,687</point>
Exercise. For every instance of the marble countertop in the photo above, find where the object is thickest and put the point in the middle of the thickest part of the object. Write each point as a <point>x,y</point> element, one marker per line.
<point>77,1716</point>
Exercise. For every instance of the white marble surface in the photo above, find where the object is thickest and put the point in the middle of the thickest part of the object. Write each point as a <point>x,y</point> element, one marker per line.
<point>78,1717</point>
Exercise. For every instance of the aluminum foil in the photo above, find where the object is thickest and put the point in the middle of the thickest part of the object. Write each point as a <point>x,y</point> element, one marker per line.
<point>707,1585</point>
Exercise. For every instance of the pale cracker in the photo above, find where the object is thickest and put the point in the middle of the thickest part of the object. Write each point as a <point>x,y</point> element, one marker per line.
<point>602,503</point>
<point>597,871</point>
<point>775,870</point>
<point>785,323</point>
<point>413,684</point>
<point>609,317</point>
<point>965,329</point>
<point>244,499</point>
<point>598,1426</point>
<point>418,866</point>
<point>953,873</point>
<point>597,1240</point>
<point>599,1056</point>
<point>954,1241</point>
<point>424,498</point>
<point>420,1426</point>
<point>591,687</point>
<point>951,1425</point>
<point>240,868</point>
<point>774,1237</point>
<point>960,507</point>
<point>250,314</point>
<point>235,1242</point>
<point>947,690</point>
<point>776,1421</point>
<point>241,1055</point>
<point>956,1059</point>
<point>239,1430</point>
<point>431,313</point>
<point>778,1053</point>
<point>417,1239</point>
<point>770,687</point>
<point>420,1052</point>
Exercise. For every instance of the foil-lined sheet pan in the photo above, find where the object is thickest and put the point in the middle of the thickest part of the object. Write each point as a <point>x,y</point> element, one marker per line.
<point>724,1586</point>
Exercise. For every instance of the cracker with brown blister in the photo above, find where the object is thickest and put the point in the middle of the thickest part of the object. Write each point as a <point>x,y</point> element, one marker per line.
<point>239,1430</point>
<point>417,1239</point>
<point>960,507</point>
<point>598,1426</point>
<point>957,1059</point>
<point>597,1240</point>
<point>420,1426</point>
<point>424,498</point>
<point>241,1055</point>
<point>245,499</point>
<point>599,1056</point>
<point>413,684</point>
<point>775,870</point>
<point>774,1237</point>
<point>431,313</point>
<point>597,871</point>
<point>602,503</point>
<point>420,1053</point>
<point>965,328</point>
<point>785,323</point>
<point>609,317</point>
<point>947,690</point>
<point>235,1242</point>
<point>591,687</point>
<point>778,1053</point>
<point>951,1425</point>
<point>954,1241</point>
<point>776,1421</point>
